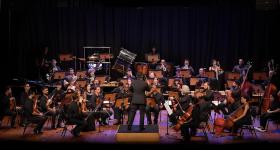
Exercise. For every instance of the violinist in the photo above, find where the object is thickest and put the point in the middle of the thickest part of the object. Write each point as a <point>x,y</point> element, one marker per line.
<point>231,104</point>
<point>240,68</point>
<point>159,99</point>
<point>122,93</point>
<point>272,113</point>
<point>187,66</point>
<point>47,106</point>
<point>184,102</point>
<point>200,113</point>
<point>31,113</point>
<point>75,116</point>
<point>163,67</point>
<point>9,106</point>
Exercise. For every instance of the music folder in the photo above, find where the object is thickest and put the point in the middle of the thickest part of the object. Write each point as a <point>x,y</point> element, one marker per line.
<point>167,107</point>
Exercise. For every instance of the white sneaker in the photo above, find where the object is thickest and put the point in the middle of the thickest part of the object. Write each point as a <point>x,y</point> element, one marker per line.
<point>260,129</point>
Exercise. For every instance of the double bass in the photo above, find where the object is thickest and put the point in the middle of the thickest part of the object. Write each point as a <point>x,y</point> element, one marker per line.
<point>246,86</point>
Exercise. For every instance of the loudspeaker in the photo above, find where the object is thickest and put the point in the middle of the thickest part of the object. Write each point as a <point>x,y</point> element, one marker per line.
<point>149,135</point>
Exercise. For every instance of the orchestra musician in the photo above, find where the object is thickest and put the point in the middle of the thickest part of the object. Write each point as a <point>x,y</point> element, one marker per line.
<point>154,52</point>
<point>48,106</point>
<point>163,67</point>
<point>231,104</point>
<point>122,92</point>
<point>75,116</point>
<point>200,113</point>
<point>8,105</point>
<point>71,77</point>
<point>91,74</point>
<point>241,68</point>
<point>53,68</point>
<point>187,66</point>
<point>129,74</point>
<point>159,100</point>
<point>96,104</point>
<point>138,88</point>
<point>272,113</point>
<point>216,68</point>
<point>182,105</point>
<point>23,98</point>
<point>32,114</point>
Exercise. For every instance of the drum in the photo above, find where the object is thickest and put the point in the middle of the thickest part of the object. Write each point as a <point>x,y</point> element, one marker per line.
<point>142,68</point>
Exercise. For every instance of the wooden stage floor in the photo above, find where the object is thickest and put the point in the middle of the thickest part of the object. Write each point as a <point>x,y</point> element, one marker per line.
<point>107,135</point>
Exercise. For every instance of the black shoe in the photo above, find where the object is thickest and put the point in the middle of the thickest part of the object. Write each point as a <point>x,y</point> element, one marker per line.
<point>142,128</point>
<point>129,128</point>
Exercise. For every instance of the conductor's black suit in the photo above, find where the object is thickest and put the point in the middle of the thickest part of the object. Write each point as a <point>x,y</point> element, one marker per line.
<point>138,89</point>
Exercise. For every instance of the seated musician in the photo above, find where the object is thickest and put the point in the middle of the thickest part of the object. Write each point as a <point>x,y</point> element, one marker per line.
<point>231,104</point>
<point>216,68</point>
<point>153,52</point>
<point>272,113</point>
<point>91,75</point>
<point>176,85</point>
<point>96,104</point>
<point>53,68</point>
<point>75,116</point>
<point>129,74</point>
<point>159,100</point>
<point>8,101</point>
<point>71,77</point>
<point>58,94</point>
<point>89,116</point>
<point>187,66</point>
<point>244,118</point>
<point>201,111</point>
<point>122,92</point>
<point>152,75</point>
<point>47,106</point>
<point>163,67</point>
<point>184,103</point>
<point>32,114</point>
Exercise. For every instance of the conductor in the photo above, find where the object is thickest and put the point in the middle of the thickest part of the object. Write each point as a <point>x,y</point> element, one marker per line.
<point>138,88</point>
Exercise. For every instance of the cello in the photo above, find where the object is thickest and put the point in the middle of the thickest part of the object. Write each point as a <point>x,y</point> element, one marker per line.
<point>246,86</point>
<point>266,100</point>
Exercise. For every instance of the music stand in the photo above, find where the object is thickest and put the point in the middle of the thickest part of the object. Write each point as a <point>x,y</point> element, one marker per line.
<point>81,83</point>
<point>101,79</point>
<point>152,58</point>
<point>111,97</point>
<point>158,73</point>
<point>185,73</point>
<point>81,74</point>
<point>232,76</point>
<point>171,81</point>
<point>58,75</point>
<point>65,57</point>
<point>259,76</point>
<point>210,74</point>
<point>151,102</point>
<point>193,81</point>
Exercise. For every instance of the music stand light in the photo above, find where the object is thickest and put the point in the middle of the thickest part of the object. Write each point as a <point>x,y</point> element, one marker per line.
<point>259,76</point>
<point>81,74</point>
<point>185,73</point>
<point>232,76</point>
<point>58,75</point>
<point>158,73</point>
<point>65,57</point>
<point>81,83</point>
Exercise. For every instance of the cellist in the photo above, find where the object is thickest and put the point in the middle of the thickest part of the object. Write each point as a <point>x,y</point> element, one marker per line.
<point>272,113</point>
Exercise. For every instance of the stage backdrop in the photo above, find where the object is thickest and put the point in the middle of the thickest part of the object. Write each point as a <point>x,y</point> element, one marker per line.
<point>226,30</point>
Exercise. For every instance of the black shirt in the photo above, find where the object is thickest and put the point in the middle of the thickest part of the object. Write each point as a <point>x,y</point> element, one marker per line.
<point>274,105</point>
<point>43,104</point>
<point>28,108</point>
<point>6,103</point>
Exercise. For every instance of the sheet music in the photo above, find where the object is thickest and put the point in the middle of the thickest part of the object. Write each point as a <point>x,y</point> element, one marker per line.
<point>167,107</point>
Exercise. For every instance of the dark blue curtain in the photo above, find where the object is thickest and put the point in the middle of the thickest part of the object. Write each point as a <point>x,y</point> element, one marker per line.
<point>226,30</point>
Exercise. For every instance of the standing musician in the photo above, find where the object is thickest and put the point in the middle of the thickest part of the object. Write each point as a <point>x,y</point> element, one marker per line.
<point>187,66</point>
<point>96,104</point>
<point>75,115</point>
<point>122,93</point>
<point>48,106</point>
<point>9,106</point>
<point>159,100</point>
<point>32,114</point>
<point>272,113</point>
<point>179,108</point>
<point>23,98</point>
<point>200,113</point>
<point>138,88</point>
<point>240,68</point>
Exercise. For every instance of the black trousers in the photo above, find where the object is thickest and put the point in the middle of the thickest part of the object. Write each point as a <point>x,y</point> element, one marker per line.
<point>264,117</point>
<point>53,114</point>
<point>133,109</point>
<point>12,114</point>
<point>39,120</point>
<point>80,124</point>
<point>188,130</point>
<point>148,113</point>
